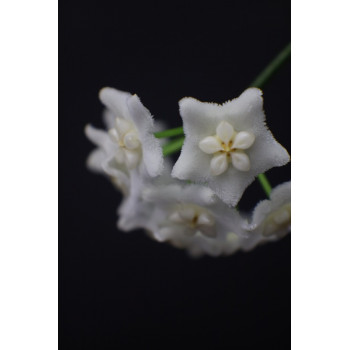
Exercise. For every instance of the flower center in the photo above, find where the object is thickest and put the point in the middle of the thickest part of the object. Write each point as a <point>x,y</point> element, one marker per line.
<point>226,144</point>
<point>125,135</point>
<point>194,219</point>
<point>277,220</point>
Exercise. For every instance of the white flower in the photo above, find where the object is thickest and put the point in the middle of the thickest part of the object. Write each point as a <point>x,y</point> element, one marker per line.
<point>101,160</point>
<point>132,132</point>
<point>271,218</point>
<point>227,146</point>
<point>190,216</point>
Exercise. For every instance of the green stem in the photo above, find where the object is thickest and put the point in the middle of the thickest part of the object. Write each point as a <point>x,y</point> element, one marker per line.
<point>272,68</point>
<point>265,184</point>
<point>173,146</point>
<point>169,133</point>
<point>259,82</point>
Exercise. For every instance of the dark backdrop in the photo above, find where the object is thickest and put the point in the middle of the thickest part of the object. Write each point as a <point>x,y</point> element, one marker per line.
<point>117,289</point>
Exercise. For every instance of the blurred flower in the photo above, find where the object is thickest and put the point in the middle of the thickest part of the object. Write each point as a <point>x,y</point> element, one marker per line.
<point>132,132</point>
<point>271,218</point>
<point>190,216</point>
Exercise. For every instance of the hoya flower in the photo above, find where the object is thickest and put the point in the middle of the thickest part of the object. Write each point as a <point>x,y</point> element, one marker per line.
<point>227,146</point>
<point>132,132</point>
<point>102,160</point>
<point>271,218</point>
<point>190,216</point>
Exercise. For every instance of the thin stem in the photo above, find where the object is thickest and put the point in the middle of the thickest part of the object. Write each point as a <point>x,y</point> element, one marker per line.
<point>259,82</point>
<point>272,68</point>
<point>169,133</point>
<point>265,184</point>
<point>173,146</point>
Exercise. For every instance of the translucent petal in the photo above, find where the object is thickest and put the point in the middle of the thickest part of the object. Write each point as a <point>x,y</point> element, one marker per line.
<point>210,145</point>
<point>122,126</point>
<point>115,100</point>
<point>225,131</point>
<point>206,219</point>
<point>131,141</point>
<point>166,233</point>
<point>120,156</point>
<point>152,155</point>
<point>98,137</point>
<point>187,213</point>
<point>240,161</point>
<point>132,158</point>
<point>282,216</point>
<point>243,140</point>
<point>113,135</point>
<point>218,164</point>
<point>175,217</point>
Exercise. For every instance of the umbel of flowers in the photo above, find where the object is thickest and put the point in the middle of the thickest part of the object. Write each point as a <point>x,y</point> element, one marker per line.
<point>192,204</point>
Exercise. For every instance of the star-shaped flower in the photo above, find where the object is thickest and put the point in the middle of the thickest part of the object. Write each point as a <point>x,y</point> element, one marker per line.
<point>227,146</point>
<point>191,217</point>
<point>132,132</point>
<point>272,217</point>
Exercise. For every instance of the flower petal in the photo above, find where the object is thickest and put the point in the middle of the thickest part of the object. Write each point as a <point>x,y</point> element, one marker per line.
<point>132,158</point>
<point>115,100</point>
<point>131,140</point>
<point>218,164</point>
<point>113,135</point>
<point>123,126</point>
<point>206,219</point>
<point>243,140</point>
<point>175,217</point>
<point>210,145</point>
<point>119,155</point>
<point>152,153</point>
<point>187,213</point>
<point>240,161</point>
<point>225,131</point>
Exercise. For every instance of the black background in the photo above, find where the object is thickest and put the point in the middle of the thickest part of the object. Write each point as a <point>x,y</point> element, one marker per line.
<point>118,290</point>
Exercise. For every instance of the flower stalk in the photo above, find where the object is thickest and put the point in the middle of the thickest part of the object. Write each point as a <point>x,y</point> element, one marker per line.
<point>169,133</point>
<point>173,146</point>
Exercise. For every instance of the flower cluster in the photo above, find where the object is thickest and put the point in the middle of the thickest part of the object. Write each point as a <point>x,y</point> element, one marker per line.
<point>192,204</point>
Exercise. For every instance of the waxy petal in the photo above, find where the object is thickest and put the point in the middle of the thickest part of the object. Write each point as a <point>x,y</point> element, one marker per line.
<point>206,219</point>
<point>114,135</point>
<point>243,140</point>
<point>210,145</point>
<point>187,213</point>
<point>122,126</point>
<point>225,131</point>
<point>120,156</point>
<point>240,161</point>
<point>218,164</point>
<point>132,158</point>
<point>131,141</point>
